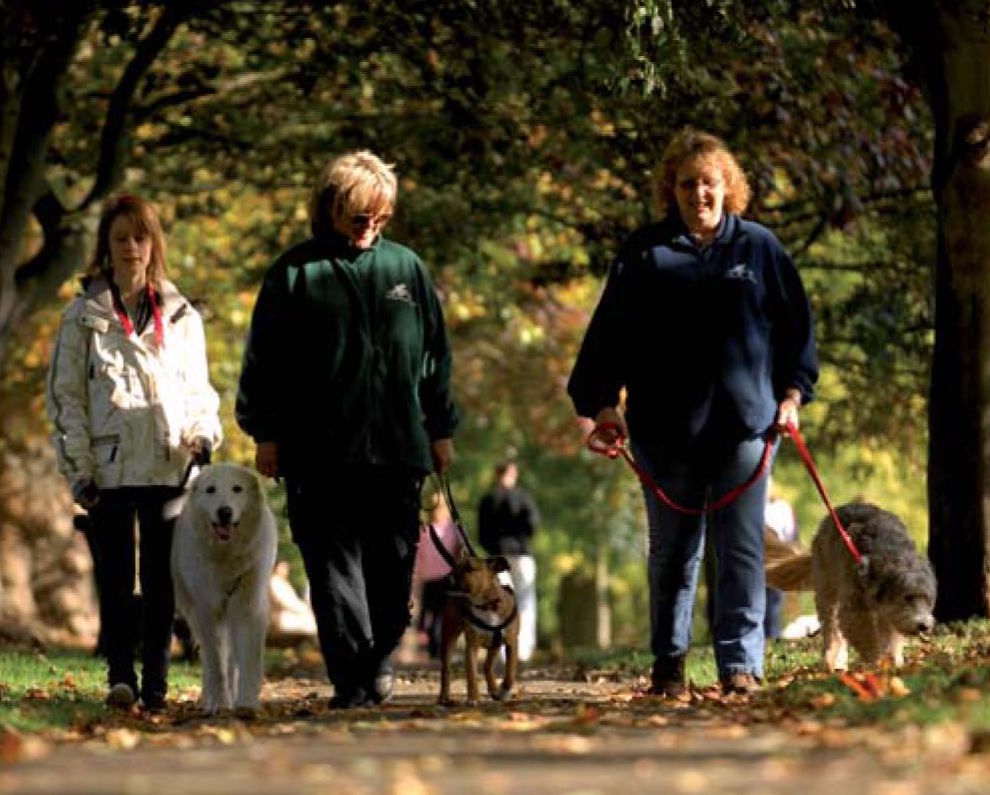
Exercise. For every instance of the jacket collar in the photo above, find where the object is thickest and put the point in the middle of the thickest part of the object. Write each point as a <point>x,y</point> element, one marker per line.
<point>337,246</point>
<point>726,231</point>
<point>98,297</point>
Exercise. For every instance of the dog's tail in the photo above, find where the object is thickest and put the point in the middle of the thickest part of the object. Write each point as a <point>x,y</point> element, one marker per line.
<point>788,566</point>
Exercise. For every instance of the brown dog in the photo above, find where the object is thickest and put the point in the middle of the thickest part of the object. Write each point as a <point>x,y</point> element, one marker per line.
<point>483,608</point>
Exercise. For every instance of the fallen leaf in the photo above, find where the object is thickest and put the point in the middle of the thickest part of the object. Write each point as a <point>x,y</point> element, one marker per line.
<point>896,687</point>
<point>587,714</point>
<point>123,739</point>
<point>823,701</point>
<point>11,746</point>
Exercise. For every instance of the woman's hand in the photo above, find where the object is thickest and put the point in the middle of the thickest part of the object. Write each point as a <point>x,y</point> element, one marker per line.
<point>266,459</point>
<point>610,416</point>
<point>787,411</point>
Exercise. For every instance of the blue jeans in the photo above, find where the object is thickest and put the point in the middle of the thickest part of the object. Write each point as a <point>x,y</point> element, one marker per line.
<point>677,542</point>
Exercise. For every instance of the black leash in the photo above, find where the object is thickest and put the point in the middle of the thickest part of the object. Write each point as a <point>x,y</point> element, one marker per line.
<point>442,484</point>
<point>199,460</point>
<point>444,552</point>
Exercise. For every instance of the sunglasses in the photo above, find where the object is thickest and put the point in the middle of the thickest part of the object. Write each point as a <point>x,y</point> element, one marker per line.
<point>360,220</point>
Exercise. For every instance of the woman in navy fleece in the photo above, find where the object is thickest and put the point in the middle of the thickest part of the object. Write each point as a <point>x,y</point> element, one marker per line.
<point>705,324</point>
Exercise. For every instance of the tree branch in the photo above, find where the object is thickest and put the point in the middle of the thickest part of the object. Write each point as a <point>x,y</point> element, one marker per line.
<point>114,138</point>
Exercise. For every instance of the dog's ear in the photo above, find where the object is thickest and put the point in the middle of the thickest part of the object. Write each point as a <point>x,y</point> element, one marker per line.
<point>498,564</point>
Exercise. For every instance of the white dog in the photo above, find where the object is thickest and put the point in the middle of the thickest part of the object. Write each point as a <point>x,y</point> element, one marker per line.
<point>223,553</point>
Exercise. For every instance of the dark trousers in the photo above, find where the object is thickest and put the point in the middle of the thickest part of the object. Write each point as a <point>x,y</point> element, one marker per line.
<point>432,600</point>
<point>357,531</point>
<point>113,530</point>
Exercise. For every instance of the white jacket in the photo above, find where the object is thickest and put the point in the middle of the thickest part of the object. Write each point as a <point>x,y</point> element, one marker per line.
<point>124,411</point>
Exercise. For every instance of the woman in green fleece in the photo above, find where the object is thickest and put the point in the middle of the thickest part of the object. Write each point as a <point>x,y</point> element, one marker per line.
<point>345,388</point>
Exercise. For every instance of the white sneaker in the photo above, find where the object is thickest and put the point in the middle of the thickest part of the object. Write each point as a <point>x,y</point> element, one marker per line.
<point>121,696</point>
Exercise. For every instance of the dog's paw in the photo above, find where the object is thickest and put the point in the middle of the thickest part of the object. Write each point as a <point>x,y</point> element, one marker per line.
<point>504,693</point>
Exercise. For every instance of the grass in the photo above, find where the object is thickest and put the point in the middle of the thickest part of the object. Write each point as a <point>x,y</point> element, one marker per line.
<point>948,679</point>
<point>61,688</point>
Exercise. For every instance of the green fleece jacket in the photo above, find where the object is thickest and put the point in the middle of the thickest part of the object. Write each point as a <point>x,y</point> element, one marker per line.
<point>347,360</point>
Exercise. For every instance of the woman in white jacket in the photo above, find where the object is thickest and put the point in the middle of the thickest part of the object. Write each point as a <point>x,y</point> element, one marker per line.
<point>130,398</point>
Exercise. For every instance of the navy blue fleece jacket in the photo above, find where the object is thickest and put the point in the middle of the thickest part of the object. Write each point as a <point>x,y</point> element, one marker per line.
<point>705,342</point>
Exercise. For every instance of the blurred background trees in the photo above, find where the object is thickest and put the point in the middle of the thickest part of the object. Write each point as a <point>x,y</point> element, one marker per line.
<point>523,136</point>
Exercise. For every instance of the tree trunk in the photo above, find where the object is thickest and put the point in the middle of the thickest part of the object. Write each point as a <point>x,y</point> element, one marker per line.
<point>959,409</point>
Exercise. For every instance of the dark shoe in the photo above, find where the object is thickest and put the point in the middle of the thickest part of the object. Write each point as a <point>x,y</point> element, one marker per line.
<point>121,696</point>
<point>741,683</point>
<point>668,677</point>
<point>383,686</point>
<point>349,698</point>
<point>153,703</point>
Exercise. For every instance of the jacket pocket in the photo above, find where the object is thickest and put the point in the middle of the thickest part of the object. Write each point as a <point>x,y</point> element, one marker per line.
<point>107,456</point>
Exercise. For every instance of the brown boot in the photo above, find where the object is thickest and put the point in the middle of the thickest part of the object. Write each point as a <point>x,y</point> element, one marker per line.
<point>668,677</point>
<point>741,683</point>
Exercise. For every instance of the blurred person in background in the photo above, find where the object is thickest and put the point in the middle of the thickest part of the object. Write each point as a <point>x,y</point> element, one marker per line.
<point>507,519</point>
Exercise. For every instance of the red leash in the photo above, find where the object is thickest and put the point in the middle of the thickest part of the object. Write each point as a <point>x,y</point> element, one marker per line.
<point>618,448</point>
<point>802,449</point>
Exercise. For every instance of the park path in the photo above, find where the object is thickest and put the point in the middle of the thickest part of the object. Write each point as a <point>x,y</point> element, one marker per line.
<point>583,738</point>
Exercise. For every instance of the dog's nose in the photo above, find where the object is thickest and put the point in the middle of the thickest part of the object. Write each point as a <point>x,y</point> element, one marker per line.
<point>925,625</point>
<point>224,514</point>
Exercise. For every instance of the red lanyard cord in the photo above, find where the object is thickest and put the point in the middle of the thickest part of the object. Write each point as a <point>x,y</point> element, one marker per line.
<point>125,320</point>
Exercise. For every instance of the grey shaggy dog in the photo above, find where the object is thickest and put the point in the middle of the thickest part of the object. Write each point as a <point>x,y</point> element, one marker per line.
<point>872,605</point>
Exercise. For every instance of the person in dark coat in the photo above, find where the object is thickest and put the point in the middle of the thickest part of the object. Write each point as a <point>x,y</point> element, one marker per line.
<point>507,520</point>
<point>705,327</point>
<point>345,388</point>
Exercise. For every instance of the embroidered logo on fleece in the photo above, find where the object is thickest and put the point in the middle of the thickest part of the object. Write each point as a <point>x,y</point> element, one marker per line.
<point>400,293</point>
<point>741,272</point>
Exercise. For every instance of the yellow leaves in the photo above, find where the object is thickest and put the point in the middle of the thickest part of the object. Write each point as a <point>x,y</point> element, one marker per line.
<point>123,739</point>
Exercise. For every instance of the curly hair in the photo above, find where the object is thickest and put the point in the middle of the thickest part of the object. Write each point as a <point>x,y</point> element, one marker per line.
<point>688,143</point>
<point>359,182</point>
<point>142,214</point>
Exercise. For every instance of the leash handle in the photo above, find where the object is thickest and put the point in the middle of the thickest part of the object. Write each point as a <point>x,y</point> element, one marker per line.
<point>809,464</point>
<point>597,444</point>
<point>617,448</point>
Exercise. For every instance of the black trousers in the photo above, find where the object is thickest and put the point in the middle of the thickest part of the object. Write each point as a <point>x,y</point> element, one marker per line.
<point>357,531</point>
<point>113,530</point>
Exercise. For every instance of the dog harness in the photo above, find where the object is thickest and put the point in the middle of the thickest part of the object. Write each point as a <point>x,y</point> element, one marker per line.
<point>497,638</point>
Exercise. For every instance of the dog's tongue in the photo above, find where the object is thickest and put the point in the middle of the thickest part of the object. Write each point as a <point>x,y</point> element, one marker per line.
<point>223,531</point>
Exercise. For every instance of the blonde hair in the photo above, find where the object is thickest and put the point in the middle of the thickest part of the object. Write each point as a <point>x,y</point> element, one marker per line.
<point>689,143</point>
<point>359,182</point>
<point>143,216</point>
